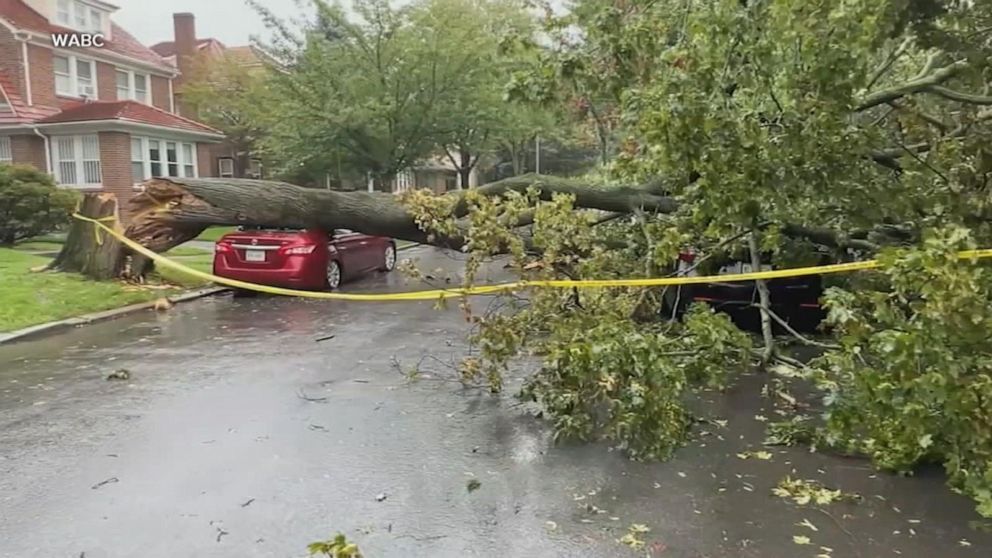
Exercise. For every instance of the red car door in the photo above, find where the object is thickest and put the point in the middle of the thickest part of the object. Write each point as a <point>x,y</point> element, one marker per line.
<point>348,245</point>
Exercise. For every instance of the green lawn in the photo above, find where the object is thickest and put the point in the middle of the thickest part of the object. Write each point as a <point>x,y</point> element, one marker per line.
<point>181,251</point>
<point>37,246</point>
<point>201,262</point>
<point>28,298</point>
<point>213,234</point>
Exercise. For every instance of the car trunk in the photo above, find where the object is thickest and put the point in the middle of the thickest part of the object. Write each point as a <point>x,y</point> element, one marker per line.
<point>259,249</point>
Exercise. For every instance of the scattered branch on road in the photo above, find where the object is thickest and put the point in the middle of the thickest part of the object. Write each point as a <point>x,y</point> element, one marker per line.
<point>302,395</point>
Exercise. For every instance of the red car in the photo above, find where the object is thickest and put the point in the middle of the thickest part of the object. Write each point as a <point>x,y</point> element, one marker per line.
<point>301,259</point>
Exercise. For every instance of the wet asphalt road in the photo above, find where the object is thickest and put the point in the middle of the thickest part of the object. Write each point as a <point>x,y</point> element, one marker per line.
<point>240,435</point>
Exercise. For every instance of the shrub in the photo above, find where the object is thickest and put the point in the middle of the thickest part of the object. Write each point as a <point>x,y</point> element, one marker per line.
<point>30,203</point>
<point>913,381</point>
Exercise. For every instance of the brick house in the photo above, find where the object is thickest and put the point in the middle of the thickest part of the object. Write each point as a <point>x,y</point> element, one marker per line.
<point>187,50</point>
<point>96,118</point>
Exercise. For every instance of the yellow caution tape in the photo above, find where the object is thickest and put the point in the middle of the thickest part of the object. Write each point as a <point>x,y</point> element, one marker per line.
<point>435,294</point>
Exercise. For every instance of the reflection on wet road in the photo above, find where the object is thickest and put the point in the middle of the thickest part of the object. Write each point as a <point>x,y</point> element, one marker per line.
<point>240,435</point>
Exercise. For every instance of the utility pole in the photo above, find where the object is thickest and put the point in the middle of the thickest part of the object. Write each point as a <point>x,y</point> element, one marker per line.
<point>537,154</point>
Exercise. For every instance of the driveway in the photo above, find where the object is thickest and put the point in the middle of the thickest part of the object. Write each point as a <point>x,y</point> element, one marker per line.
<point>240,434</point>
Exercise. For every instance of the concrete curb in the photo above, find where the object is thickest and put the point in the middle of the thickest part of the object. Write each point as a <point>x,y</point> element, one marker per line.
<point>68,323</point>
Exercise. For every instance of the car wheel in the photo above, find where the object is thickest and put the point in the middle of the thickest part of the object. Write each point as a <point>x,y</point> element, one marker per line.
<point>388,258</point>
<point>333,274</point>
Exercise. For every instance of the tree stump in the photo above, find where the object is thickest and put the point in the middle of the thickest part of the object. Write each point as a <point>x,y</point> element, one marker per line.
<point>96,255</point>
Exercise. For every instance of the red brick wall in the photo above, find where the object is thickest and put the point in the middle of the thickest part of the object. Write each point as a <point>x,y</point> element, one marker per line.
<point>106,81</point>
<point>11,59</point>
<point>160,92</point>
<point>115,166</point>
<point>206,162</point>
<point>29,150</point>
<point>42,76</point>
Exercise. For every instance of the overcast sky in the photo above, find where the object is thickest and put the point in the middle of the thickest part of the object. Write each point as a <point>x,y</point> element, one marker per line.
<point>230,21</point>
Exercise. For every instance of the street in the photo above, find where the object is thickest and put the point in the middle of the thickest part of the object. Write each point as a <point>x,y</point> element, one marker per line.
<point>240,434</point>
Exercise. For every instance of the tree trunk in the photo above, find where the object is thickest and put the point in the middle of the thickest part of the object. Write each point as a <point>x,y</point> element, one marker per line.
<point>464,169</point>
<point>94,254</point>
<point>174,210</point>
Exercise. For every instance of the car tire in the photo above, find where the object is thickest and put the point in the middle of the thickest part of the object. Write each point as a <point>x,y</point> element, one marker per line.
<point>389,258</point>
<point>333,276</point>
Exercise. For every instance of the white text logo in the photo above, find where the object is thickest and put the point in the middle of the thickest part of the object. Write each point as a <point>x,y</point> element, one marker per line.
<point>63,40</point>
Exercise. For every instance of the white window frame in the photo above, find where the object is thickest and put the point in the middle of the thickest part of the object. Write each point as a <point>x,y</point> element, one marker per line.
<point>78,160</point>
<point>79,16</point>
<point>225,173</point>
<point>73,75</point>
<point>6,150</point>
<point>163,160</point>
<point>132,89</point>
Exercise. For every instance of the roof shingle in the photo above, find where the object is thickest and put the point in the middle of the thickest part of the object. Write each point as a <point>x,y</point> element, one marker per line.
<point>128,111</point>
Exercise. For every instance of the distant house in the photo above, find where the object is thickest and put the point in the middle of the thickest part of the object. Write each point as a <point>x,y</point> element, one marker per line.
<point>96,118</point>
<point>185,51</point>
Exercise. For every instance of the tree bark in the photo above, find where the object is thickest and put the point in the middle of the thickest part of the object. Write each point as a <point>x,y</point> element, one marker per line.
<point>94,254</point>
<point>174,210</point>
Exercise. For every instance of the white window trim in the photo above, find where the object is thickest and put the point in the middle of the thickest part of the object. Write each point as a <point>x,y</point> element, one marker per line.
<point>78,160</point>
<point>163,156</point>
<point>74,77</point>
<point>132,91</point>
<point>74,7</point>
<point>6,150</point>
<point>220,167</point>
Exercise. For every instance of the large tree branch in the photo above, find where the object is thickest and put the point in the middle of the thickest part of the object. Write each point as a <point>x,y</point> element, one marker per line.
<point>917,85</point>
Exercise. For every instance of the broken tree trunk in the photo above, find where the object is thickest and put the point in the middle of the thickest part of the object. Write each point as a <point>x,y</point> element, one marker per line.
<point>96,256</point>
<point>171,211</point>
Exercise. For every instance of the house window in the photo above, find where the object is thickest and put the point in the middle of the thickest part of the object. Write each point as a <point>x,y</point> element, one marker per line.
<point>226,167</point>
<point>75,77</point>
<point>77,160</point>
<point>254,168</point>
<point>79,16</point>
<point>63,12</point>
<point>154,157</point>
<point>189,168</point>
<point>6,155</point>
<point>137,160</point>
<point>132,86</point>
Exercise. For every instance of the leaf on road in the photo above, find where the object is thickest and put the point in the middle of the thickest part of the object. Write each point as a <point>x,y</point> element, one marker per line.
<point>801,539</point>
<point>806,523</point>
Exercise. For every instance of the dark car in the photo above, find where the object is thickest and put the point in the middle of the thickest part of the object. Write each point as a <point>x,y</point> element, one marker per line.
<point>795,299</point>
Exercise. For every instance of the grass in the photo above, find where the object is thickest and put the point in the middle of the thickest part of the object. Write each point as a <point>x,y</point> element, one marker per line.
<point>183,251</point>
<point>28,298</point>
<point>201,262</point>
<point>37,246</point>
<point>213,234</point>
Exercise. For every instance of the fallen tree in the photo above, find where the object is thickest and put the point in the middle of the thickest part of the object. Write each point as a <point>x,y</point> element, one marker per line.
<point>171,211</point>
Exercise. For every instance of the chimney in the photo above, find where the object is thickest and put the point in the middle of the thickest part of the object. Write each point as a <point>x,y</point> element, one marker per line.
<point>184,29</point>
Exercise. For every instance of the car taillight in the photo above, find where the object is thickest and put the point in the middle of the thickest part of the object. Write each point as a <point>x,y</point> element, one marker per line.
<point>222,247</point>
<point>687,257</point>
<point>295,250</point>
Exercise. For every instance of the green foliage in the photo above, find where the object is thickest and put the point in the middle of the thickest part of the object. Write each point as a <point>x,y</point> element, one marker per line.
<point>30,203</point>
<point>337,547</point>
<point>626,384</point>
<point>913,381</point>
<point>381,89</point>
